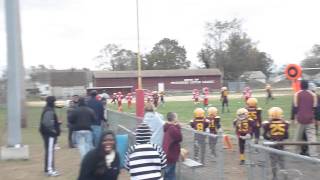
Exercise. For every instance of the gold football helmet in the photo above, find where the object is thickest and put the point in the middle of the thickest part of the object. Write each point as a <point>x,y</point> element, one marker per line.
<point>275,113</point>
<point>198,113</point>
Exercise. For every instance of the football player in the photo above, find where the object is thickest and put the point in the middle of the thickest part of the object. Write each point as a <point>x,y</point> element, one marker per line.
<point>276,129</point>
<point>243,126</point>
<point>254,113</point>
<point>199,123</point>
<point>224,98</point>
<point>214,126</point>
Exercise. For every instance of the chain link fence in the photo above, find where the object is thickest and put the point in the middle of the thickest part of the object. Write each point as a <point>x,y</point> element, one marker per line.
<point>206,155</point>
<point>267,163</point>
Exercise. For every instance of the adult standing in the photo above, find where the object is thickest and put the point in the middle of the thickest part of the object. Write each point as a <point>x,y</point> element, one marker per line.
<point>97,107</point>
<point>72,105</point>
<point>50,130</point>
<point>155,122</point>
<point>171,144</point>
<point>305,103</point>
<point>103,162</point>
<point>81,119</point>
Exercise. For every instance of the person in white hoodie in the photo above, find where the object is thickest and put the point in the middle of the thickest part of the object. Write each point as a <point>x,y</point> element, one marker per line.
<point>155,122</point>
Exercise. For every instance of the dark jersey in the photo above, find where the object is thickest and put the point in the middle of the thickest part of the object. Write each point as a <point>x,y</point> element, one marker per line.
<point>214,124</point>
<point>244,126</point>
<point>276,130</point>
<point>199,124</point>
<point>255,114</point>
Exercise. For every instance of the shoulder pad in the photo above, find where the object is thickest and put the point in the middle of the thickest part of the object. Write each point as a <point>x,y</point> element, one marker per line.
<point>259,109</point>
<point>265,122</point>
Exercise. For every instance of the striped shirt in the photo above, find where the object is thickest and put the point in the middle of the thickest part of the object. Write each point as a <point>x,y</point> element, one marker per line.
<point>144,160</point>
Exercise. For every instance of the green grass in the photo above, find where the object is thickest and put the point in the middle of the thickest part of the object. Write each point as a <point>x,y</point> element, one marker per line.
<point>185,109</point>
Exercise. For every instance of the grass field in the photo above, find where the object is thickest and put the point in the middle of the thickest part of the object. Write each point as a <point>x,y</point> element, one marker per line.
<point>185,109</point>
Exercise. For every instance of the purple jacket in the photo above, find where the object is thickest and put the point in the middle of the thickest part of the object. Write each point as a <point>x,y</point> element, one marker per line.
<point>171,142</point>
<point>305,102</point>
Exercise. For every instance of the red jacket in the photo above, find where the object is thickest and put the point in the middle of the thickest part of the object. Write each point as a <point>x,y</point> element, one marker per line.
<point>171,142</point>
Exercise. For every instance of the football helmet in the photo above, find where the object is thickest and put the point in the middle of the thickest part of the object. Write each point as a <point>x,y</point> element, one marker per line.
<point>252,102</point>
<point>212,111</point>
<point>224,88</point>
<point>198,113</point>
<point>242,111</point>
<point>275,113</point>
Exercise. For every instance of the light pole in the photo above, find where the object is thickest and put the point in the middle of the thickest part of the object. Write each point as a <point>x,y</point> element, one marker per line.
<point>139,90</point>
<point>14,148</point>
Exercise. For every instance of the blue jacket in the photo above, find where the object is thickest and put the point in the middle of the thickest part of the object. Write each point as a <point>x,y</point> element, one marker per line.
<point>98,109</point>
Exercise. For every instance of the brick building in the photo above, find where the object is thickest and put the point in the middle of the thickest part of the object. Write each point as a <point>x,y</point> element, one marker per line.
<point>169,80</point>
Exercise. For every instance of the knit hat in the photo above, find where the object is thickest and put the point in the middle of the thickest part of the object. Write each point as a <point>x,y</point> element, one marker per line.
<point>143,134</point>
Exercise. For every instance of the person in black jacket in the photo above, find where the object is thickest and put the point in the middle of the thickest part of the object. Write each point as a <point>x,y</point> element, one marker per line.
<point>49,129</point>
<point>101,163</point>
<point>81,119</point>
<point>98,108</point>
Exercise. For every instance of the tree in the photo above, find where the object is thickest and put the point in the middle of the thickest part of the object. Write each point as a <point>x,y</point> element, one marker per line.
<point>232,51</point>
<point>167,54</point>
<point>124,60</point>
<point>105,56</point>
<point>312,61</point>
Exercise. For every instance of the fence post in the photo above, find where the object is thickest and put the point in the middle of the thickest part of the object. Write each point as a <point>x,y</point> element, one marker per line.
<point>220,155</point>
<point>249,162</point>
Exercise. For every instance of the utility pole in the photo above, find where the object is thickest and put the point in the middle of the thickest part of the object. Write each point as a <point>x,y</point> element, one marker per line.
<point>14,148</point>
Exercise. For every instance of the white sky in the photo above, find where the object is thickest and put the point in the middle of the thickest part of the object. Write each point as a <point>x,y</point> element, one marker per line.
<point>70,33</point>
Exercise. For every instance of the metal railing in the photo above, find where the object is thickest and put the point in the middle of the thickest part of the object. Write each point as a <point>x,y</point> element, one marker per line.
<point>269,163</point>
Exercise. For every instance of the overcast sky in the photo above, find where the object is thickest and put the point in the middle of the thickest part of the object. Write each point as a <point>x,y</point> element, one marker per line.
<point>70,33</point>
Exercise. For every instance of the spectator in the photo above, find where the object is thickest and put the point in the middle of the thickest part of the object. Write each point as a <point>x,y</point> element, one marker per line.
<point>49,129</point>
<point>72,105</point>
<point>81,119</point>
<point>171,144</point>
<point>305,103</point>
<point>155,122</point>
<point>101,163</point>
<point>145,160</point>
<point>97,107</point>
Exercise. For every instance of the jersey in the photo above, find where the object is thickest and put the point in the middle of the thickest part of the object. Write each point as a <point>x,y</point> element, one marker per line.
<point>243,126</point>
<point>214,124</point>
<point>276,130</point>
<point>255,114</point>
<point>224,96</point>
<point>199,124</point>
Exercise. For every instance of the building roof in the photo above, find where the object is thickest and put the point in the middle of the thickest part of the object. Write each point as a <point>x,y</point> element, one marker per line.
<point>68,78</point>
<point>157,73</point>
<point>63,78</point>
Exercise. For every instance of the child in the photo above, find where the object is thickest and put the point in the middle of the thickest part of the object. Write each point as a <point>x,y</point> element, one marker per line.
<point>199,123</point>
<point>243,125</point>
<point>224,98</point>
<point>254,113</point>
<point>214,126</point>
<point>276,129</point>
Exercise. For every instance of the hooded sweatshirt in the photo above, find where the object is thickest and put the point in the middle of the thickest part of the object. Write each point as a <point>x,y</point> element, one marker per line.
<point>171,142</point>
<point>145,160</point>
<point>155,121</point>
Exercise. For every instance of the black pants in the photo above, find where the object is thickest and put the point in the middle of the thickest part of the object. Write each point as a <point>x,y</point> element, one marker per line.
<point>49,153</point>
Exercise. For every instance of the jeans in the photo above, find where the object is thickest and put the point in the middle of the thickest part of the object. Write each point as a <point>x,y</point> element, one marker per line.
<point>84,141</point>
<point>96,132</point>
<point>170,172</point>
